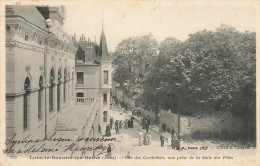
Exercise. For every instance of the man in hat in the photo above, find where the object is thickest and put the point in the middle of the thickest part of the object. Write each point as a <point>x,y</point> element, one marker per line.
<point>162,141</point>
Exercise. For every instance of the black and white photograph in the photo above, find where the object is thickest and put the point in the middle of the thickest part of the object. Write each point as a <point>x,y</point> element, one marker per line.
<point>131,82</point>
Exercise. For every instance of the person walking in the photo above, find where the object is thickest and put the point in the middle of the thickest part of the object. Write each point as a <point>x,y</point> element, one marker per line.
<point>108,132</point>
<point>99,129</point>
<point>162,141</point>
<point>129,123</point>
<point>143,123</point>
<point>117,127</point>
<point>174,141</point>
<point>163,127</point>
<point>126,124</point>
<point>109,151</point>
<point>173,132</point>
<point>111,122</point>
<point>141,138</point>
<point>147,127</point>
<point>132,122</point>
<point>148,121</point>
<point>120,124</point>
<point>169,139</point>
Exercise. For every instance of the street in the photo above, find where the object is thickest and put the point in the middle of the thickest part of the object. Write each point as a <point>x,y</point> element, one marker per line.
<point>130,139</point>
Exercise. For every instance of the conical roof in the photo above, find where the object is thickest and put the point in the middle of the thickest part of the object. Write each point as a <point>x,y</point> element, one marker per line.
<point>102,55</point>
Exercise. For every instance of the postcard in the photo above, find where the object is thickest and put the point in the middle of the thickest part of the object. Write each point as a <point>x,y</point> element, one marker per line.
<point>129,82</point>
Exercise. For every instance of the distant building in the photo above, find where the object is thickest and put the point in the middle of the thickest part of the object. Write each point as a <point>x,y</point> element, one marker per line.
<point>40,67</point>
<point>94,76</point>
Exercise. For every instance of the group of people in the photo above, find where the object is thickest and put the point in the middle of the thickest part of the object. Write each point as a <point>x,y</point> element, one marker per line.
<point>129,123</point>
<point>173,140</point>
<point>146,123</point>
<point>117,126</point>
<point>136,112</point>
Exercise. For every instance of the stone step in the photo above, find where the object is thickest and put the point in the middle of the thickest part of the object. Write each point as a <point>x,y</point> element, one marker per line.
<point>64,116</point>
<point>65,129</point>
<point>64,122</point>
<point>61,121</point>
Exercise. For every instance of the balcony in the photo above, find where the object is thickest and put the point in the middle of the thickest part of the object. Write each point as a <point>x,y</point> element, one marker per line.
<point>84,101</point>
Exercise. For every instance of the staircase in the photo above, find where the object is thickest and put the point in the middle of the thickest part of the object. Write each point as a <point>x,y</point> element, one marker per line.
<point>64,123</point>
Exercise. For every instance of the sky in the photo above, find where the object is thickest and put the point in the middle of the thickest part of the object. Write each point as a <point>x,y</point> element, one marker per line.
<point>124,19</point>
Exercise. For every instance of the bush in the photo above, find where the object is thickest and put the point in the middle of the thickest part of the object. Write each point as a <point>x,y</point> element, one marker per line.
<point>224,135</point>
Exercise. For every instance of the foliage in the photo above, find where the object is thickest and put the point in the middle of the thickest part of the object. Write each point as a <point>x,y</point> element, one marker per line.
<point>209,72</point>
<point>132,58</point>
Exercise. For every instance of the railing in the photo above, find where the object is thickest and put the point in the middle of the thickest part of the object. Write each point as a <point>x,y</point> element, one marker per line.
<point>82,100</point>
<point>85,128</point>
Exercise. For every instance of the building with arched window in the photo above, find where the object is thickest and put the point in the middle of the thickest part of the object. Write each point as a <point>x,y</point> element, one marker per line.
<point>94,77</point>
<point>45,82</point>
<point>39,56</point>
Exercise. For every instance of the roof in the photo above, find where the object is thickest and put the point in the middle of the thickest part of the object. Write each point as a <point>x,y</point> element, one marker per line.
<point>29,13</point>
<point>86,49</point>
<point>102,50</point>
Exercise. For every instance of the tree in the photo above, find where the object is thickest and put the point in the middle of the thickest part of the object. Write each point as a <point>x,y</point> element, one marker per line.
<point>208,72</point>
<point>132,58</point>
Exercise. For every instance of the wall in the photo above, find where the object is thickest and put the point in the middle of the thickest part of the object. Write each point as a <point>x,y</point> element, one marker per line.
<point>91,75</point>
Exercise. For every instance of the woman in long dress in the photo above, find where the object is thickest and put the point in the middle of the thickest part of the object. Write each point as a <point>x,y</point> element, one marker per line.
<point>108,132</point>
<point>120,124</point>
<point>109,151</point>
<point>126,124</point>
<point>169,140</point>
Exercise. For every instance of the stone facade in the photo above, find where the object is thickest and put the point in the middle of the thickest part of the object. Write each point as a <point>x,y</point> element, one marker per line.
<point>40,70</point>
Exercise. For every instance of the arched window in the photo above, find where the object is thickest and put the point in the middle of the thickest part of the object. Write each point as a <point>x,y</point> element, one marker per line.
<point>52,77</point>
<point>80,94</point>
<point>65,82</point>
<point>105,116</point>
<point>105,99</point>
<point>26,100</point>
<point>80,98</point>
<point>40,99</point>
<point>58,90</point>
